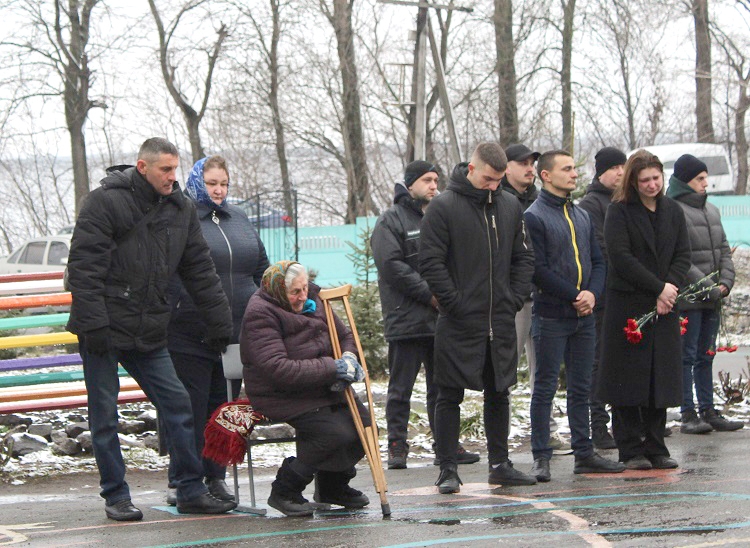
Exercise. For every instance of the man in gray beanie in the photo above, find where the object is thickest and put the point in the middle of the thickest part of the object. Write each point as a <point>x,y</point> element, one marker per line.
<point>409,308</point>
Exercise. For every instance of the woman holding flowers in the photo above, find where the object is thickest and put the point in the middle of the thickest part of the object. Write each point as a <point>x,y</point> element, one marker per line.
<point>641,367</point>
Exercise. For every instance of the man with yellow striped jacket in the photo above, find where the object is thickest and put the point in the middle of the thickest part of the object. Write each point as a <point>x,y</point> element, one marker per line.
<point>569,272</point>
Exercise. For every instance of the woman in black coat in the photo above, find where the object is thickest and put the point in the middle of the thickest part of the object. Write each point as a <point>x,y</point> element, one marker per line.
<point>649,257</point>
<point>240,260</point>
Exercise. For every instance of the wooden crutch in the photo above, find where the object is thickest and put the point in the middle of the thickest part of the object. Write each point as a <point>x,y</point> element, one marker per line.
<point>368,435</point>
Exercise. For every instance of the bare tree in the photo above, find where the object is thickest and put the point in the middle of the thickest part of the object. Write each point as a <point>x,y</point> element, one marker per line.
<point>630,104</point>
<point>192,115</point>
<point>703,97</point>
<point>339,15</point>
<point>739,62</point>
<point>506,72</point>
<point>568,8</point>
<point>269,81</point>
<point>60,45</point>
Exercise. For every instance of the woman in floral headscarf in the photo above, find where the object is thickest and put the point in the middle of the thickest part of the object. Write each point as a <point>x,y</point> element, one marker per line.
<point>291,376</point>
<point>240,260</point>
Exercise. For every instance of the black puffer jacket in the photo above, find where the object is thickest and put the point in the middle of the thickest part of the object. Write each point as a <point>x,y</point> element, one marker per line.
<point>240,260</point>
<point>404,295</point>
<point>478,262</point>
<point>119,269</point>
<point>595,202</point>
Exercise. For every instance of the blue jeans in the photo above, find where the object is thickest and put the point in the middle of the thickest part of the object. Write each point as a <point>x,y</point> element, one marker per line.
<point>571,340</point>
<point>702,327</point>
<point>155,374</point>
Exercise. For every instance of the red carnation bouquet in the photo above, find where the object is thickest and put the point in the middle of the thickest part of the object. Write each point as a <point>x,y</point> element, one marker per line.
<point>725,344</point>
<point>692,293</point>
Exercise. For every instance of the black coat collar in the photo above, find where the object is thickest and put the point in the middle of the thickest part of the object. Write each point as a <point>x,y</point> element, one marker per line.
<point>640,215</point>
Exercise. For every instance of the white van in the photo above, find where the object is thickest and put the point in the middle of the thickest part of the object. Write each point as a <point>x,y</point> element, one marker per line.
<point>720,173</point>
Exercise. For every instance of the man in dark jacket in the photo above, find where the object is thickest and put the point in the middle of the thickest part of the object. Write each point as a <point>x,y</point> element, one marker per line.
<point>132,234</point>
<point>609,164</point>
<point>709,252</point>
<point>409,309</point>
<point>519,181</point>
<point>568,279</point>
<point>478,263</point>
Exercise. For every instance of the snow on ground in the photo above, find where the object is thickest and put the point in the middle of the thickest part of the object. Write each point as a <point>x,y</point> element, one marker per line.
<point>45,463</point>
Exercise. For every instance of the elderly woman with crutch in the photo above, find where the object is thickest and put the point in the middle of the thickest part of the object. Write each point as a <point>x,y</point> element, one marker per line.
<point>291,376</point>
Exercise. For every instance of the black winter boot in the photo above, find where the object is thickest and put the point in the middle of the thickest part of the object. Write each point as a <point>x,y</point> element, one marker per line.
<point>286,492</point>
<point>333,488</point>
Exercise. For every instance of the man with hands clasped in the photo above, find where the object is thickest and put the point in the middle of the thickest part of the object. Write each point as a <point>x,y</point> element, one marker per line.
<point>568,278</point>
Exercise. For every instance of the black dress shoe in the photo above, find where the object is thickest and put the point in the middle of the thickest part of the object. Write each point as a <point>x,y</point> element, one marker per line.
<point>662,462</point>
<point>448,482</point>
<point>219,489</point>
<point>505,474</point>
<point>596,464</point>
<point>205,504</point>
<point>638,463</point>
<point>540,470</point>
<point>123,510</point>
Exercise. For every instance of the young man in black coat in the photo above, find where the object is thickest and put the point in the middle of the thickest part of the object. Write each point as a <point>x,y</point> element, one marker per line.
<point>478,263</point>
<point>609,164</point>
<point>409,308</point>
<point>132,234</point>
<point>568,279</point>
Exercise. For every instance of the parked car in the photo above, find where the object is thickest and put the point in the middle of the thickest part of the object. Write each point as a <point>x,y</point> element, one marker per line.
<point>720,176</point>
<point>47,254</point>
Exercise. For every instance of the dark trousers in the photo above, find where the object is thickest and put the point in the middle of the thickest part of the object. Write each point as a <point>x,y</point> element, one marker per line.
<point>204,380</point>
<point>405,357</point>
<point>154,372</point>
<point>327,438</point>
<point>639,431</point>
<point>697,364</point>
<point>496,418</point>
<point>599,415</point>
<point>558,340</point>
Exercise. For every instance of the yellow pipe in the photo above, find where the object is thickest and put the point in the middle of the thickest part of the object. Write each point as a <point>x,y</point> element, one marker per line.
<point>43,339</point>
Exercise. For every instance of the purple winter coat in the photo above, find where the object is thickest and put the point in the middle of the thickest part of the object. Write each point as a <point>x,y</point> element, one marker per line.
<point>288,358</point>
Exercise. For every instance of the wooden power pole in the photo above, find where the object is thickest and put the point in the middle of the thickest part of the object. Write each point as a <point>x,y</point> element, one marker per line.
<point>418,121</point>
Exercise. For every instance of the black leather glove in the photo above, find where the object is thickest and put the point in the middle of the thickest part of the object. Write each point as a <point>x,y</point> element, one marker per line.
<point>218,344</point>
<point>97,341</point>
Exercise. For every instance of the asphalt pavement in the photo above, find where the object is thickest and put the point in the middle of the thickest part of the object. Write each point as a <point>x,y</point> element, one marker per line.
<point>705,502</point>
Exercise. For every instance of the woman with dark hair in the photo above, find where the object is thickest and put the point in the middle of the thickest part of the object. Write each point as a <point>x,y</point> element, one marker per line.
<point>240,260</point>
<point>291,376</point>
<point>649,257</point>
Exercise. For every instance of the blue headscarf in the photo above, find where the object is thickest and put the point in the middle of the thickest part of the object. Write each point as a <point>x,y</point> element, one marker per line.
<point>196,186</point>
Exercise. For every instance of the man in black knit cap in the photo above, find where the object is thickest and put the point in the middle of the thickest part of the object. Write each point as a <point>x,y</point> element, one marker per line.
<point>709,252</point>
<point>409,308</point>
<point>609,163</point>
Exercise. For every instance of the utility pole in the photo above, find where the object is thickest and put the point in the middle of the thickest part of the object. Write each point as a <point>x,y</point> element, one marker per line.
<point>416,148</point>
